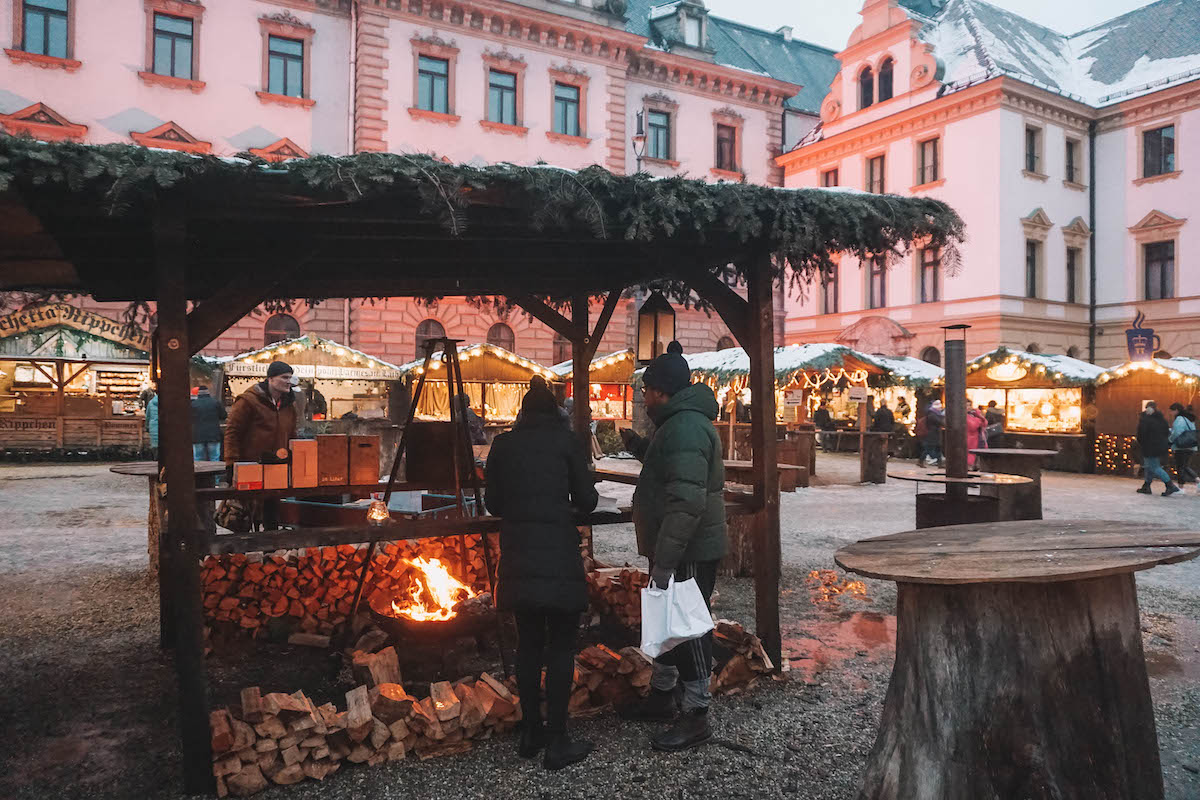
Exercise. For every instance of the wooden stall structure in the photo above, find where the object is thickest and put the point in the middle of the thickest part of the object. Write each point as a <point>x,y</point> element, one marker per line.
<point>226,235</point>
<point>1122,393</point>
<point>1044,398</point>
<point>610,385</point>
<point>335,380</point>
<point>494,379</point>
<point>71,379</point>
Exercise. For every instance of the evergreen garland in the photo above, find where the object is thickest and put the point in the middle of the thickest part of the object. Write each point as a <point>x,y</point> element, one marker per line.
<point>805,230</point>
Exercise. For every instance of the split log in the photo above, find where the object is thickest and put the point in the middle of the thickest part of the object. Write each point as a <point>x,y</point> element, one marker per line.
<point>291,755</point>
<point>247,782</point>
<point>271,727</point>
<point>445,702</point>
<point>252,705</point>
<point>309,640</point>
<point>228,765</point>
<point>379,734</point>
<point>390,702</point>
<point>221,725</point>
<point>373,669</point>
<point>293,773</point>
<point>358,713</point>
<point>317,769</point>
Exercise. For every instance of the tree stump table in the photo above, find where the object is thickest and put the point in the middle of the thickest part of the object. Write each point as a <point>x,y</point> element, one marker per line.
<point>1019,667</point>
<point>936,509</point>
<point>1023,502</point>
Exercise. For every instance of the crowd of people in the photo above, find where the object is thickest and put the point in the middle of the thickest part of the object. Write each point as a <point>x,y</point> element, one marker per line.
<point>1161,440</point>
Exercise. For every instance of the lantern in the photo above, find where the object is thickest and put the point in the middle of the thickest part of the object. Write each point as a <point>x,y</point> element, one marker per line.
<point>377,513</point>
<point>656,327</point>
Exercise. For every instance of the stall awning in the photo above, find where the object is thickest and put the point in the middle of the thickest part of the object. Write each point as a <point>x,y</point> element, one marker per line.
<point>1179,369</point>
<point>566,369</point>
<point>346,362</point>
<point>482,362</point>
<point>1008,366</point>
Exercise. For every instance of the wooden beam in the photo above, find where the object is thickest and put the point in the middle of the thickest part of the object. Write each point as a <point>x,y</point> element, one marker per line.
<point>610,305</point>
<point>733,309</point>
<point>549,317</point>
<point>175,455</point>
<point>214,316</point>
<point>765,469</point>
<point>581,409</point>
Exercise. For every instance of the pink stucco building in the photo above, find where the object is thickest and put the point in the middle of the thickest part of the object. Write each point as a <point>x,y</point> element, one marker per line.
<point>1066,155</point>
<point>523,81</point>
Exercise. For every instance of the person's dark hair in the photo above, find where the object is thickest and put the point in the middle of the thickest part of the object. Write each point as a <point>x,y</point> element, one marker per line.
<point>1177,407</point>
<point>991,403</point>
<point>538,400</point>
<point>203,388</point>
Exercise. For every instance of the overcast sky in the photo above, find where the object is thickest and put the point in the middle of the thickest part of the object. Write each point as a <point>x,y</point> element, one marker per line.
<point>829,22</point>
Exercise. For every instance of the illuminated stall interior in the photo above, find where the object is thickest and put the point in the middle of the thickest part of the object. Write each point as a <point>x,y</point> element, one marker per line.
<point>72,379</point>
<point>1121,395</point>
<point>1039,393</point>
<point>494,379</point>
<point>611,384</point>
<point>347,380</point>
<point>903,379</point>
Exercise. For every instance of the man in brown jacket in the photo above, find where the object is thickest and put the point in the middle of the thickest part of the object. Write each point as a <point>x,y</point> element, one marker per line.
<point>263,420</point>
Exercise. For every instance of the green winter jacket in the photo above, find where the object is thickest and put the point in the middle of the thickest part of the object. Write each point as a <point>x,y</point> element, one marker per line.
<point>679,505</point>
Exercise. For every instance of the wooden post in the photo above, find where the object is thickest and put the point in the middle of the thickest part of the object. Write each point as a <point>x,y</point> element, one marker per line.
<point>767,554</point>
<point>581,418</point>
<point>175,456</point>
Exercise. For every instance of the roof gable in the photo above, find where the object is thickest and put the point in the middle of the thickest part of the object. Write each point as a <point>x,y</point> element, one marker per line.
<point>170,136</point>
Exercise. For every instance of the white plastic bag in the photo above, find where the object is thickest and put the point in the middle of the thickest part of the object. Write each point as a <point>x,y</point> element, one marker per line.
<point>673,616</point>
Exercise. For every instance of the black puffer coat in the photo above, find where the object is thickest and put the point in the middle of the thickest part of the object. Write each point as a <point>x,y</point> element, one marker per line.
<point>537,479</point>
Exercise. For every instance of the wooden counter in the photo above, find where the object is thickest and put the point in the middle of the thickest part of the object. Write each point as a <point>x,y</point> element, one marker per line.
<point>20,432</point>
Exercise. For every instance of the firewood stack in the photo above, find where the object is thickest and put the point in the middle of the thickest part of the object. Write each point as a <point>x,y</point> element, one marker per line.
<point>616,592</point>
<point>748,662</point>
<point>312,590</point>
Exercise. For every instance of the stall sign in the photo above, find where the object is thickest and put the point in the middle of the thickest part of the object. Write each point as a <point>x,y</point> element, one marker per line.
<point>319,371</point>
<point>1141,341</point>
<point>858,394</point>
<point>27,424</point>
<point>52,314</point>
<point>1007,372</point>
<point>793,398</point>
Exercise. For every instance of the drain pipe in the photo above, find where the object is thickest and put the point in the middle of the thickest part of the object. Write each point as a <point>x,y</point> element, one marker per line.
<point>1092,241</point>
<point>352,100</point>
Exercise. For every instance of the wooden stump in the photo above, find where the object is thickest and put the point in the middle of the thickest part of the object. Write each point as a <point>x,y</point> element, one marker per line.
<point>935,509</point>
<point>874,458</point>
<point>739,561</point>
<point>1017,690</point>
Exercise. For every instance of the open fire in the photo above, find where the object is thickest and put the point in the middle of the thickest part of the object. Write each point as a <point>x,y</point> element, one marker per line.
<point>432,593</point>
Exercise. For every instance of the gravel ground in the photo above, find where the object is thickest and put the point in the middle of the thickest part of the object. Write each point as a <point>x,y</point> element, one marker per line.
<point>89,701</point>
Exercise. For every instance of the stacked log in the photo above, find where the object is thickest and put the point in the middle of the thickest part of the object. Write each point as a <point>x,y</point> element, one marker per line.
<point>616,592</point>
<point>312,590</point>
<point>747,663</point>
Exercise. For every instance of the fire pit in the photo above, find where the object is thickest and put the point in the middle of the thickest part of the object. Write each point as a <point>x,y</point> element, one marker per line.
<point>434,605</point>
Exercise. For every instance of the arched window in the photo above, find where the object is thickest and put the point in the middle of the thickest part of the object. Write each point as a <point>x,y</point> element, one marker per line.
<point>1033,347</point>
<point>1073,351</point>
<point>866,87</point>
<point>500,335</point>
<point>280,327</point>
<point>562,348</point>
<point>931,355</point>
<point>885,79</point>
<point>726,342</point>
<point>426,330</point>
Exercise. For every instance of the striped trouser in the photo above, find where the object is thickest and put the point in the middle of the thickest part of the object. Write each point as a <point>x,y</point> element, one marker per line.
<point>690,662</point>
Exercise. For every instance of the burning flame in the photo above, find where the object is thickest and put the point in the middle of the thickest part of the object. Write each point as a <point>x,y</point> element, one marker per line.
<point>433,594</point>
<point>826,587</point>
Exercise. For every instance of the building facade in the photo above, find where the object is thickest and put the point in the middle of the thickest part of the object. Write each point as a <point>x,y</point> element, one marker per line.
<point>1064,155</point>
<point>563,82</point>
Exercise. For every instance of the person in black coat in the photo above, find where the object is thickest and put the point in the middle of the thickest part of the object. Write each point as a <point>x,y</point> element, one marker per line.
<point>884,421</point>
<point>207,415</point>
<point>537,479</point>
<point>1154,439</point>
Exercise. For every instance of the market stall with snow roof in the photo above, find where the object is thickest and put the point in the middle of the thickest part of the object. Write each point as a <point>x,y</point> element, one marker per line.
<point>335,380</point>
<point>1122,393</point>
<point>1043,397</point>
<point>494,379</point>
<point>610,379</point>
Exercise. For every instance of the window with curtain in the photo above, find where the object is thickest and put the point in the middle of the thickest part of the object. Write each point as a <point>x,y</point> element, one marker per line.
<point>426,330</point>
<point>566,109</point>
<point>885,79</point>
<point>931,285</point>
<point>433,84</point>
<point>927,161</point>
<point>1160,270</point>
<point>866,88</point>
<point>280,327</point>
<point>727,148</point>
<point>875,182</point>
<point>502,97</point>
<point>44,26</point>
<point>285,66</point>
<point>877,284</point>
<point>658,142</point>
<point>173,46</point>
<point>500,335</point>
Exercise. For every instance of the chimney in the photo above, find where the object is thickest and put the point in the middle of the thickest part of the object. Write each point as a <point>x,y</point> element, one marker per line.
<point>786,32</point>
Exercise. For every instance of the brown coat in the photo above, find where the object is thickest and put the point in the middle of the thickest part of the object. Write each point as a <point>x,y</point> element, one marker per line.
<point>256,426</point>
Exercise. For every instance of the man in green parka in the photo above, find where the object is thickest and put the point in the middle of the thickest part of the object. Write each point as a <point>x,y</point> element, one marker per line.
<point>679,517</point>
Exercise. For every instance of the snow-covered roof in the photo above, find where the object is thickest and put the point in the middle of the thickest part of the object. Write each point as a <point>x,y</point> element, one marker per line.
<point>469,351</point>
<point>1133,54</point>
<point>1064,370</point>
<point>1178,368</point>
<point>307,342</point>
<point>566,368</point>
<point>908,370</point>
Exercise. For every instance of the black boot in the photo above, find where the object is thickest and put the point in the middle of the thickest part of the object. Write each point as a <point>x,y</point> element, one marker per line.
<point>658,706</point>
<point>562,751</point>
<point>533,739</point>
<point>691,730</point>
<point>1172,488</point>
<point>1145,489</point>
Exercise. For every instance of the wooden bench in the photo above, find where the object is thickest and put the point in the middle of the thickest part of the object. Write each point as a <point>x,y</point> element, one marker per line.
<point>790,475</point>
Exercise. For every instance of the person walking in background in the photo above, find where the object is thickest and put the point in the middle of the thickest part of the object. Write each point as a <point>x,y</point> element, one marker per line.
<point>679,519</point>
<point>1183,443</point>
<point>537,479</point>
<point>976,434</point>
<point>1154,439</point>
<point>152,423</point>
<point>931,442</point>
<point>207,414</point>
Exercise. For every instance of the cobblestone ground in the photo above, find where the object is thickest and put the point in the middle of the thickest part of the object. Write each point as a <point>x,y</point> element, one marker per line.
<point>88,701</point>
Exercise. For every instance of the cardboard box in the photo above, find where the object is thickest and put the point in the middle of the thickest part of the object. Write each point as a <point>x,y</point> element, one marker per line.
<point>304,462</point>
<point>247,475</point>
<point>364,460</point>
<point>275,476</point>
<point>333,459</point>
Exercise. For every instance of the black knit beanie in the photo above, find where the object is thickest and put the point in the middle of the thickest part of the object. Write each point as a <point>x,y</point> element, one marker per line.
<point>669,373</point>
<point>278,368</point>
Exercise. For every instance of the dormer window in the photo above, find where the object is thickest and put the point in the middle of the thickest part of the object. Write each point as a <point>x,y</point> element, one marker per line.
<point>866,88</point>
<point>885,79</point>
<point>692,27</point>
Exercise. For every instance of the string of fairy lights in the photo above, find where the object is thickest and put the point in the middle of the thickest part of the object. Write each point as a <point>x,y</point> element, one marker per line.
<point>478,350</point>
<point>280,349</point>
<point>1114,454</point>
<point>1145,366</point>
